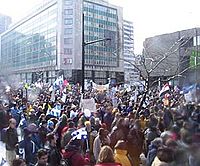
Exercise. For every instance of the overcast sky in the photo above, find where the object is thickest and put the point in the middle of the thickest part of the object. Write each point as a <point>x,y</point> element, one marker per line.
<point>150,17</point>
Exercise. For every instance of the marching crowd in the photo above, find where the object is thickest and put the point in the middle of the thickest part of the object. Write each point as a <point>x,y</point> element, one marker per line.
<point>164,131</point>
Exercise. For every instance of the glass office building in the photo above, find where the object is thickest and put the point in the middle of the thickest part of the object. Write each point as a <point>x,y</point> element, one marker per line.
<point>49,40</point>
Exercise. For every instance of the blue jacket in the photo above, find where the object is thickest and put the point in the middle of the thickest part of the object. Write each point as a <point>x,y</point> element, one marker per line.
<point>151,154</point>
<point>28,150</point>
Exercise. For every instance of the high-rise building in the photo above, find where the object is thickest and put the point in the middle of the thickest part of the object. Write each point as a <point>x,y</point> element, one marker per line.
<point>49,41</point>
<point>130,73</point>
<point>5,21</point>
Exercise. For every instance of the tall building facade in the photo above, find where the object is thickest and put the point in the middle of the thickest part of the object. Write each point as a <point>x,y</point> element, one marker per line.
<point>130,73</point>
<point>5,21</point>
<point>49,41</point>
<point>178,55</point>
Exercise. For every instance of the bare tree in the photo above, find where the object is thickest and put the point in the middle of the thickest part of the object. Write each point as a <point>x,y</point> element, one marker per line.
<point>164,60</point>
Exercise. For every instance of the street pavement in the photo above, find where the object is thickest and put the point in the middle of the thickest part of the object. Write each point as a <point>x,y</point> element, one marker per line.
<point>2,154</point>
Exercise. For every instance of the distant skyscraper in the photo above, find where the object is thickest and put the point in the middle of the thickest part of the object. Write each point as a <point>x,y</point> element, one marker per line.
<point>5,21</point>
<point>130,74</point>
<point>50,40</point>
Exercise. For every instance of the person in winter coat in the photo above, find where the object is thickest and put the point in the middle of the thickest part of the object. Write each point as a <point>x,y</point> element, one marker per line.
<point>153,147</point>
<point>106,157</point>
<point>10,138</point>
<point>67,136</point>
<point>42,131</point>
<point>135,145</point>
<point>167,118</point>
<point>118,133</point>
<point>121,152</point>
<point>54,154</point>
<point>27,148</point>
<point>73,155</point>
<point>164,157</point>
<point>101,140</point>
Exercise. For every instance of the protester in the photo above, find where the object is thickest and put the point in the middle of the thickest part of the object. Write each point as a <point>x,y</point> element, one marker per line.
<point>121,153</point>
<point>54,154</point>
<point>18,162</point>
<point>10,138</point>
<point>27,148</point>
<point>67,136</point>
<point>42,157</point>
<point>73,154</point>
<point>106,157</point>
<point>118,116</point>
<point>101,140</point>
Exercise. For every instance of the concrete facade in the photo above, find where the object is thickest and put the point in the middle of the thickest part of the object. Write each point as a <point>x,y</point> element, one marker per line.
<point>180,50</point>
<point>49,41</point>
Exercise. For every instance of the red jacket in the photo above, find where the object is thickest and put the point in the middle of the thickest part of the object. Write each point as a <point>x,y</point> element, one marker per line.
<point>108,164</point>
<point>76,158</point>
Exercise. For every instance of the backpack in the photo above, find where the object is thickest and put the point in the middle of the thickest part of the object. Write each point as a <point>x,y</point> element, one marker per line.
<point>67,161</point>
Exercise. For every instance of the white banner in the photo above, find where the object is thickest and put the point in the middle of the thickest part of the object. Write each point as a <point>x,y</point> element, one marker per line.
<point>88,104</point>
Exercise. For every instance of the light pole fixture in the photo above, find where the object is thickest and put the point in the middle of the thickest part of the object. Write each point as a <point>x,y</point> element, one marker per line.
<point>83,52</point>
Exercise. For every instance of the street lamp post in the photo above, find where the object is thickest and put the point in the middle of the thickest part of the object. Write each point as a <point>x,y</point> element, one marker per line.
<point>83,52</point>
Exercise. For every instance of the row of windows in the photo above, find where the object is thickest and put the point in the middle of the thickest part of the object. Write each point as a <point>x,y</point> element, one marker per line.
<point>68,11</point>
<point>68,51</point>
<point>68,2</point>
<point>33,43</point>
<point>103,22</point>
<point>98,62</point>
<point>100,13</point>
<point>101,17</point>
<point>68,21</point>
<point>68,31</point>
<point>68,40</point>
<point>100,8</point>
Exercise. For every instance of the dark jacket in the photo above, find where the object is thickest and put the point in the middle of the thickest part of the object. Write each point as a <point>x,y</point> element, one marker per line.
<point>11,138</point>
<point>28,150</point>
<point>54,157</point>
<point>75,156</point>
<point>151,154</point>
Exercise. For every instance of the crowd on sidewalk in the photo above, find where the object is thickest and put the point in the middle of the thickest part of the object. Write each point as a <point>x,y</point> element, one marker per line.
<point>164,131</point>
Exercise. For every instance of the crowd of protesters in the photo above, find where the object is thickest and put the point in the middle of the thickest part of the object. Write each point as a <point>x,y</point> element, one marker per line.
<point>165,131</point>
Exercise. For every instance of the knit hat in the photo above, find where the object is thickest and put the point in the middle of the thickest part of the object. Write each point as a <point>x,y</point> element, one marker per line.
<point>50,123</point>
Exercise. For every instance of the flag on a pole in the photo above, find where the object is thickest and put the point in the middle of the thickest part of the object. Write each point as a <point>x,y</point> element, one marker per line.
<point>164,90</point>
<point>79,134</point>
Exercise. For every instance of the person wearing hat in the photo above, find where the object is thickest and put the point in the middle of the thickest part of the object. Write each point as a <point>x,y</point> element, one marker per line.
<point>50,126</point>
<point>67,135</point>
<point>73,154</point>
<point>120,153</point>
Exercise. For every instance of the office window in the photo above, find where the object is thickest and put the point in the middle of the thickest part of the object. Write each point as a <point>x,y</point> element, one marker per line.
<point>68,2</point>
<point>68,51</point>
<point>68,31</point>
<point>68,21</point>
<point>68,11</point>
<point>67,40</point>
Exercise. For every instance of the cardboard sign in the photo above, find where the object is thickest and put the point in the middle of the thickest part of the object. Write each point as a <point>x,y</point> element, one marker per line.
<point>88,104</point>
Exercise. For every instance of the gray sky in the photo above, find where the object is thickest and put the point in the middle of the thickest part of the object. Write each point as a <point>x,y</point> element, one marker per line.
<point>150,17</point>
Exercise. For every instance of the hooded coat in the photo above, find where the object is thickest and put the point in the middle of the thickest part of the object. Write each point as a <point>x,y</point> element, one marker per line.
<point>121,157</point>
